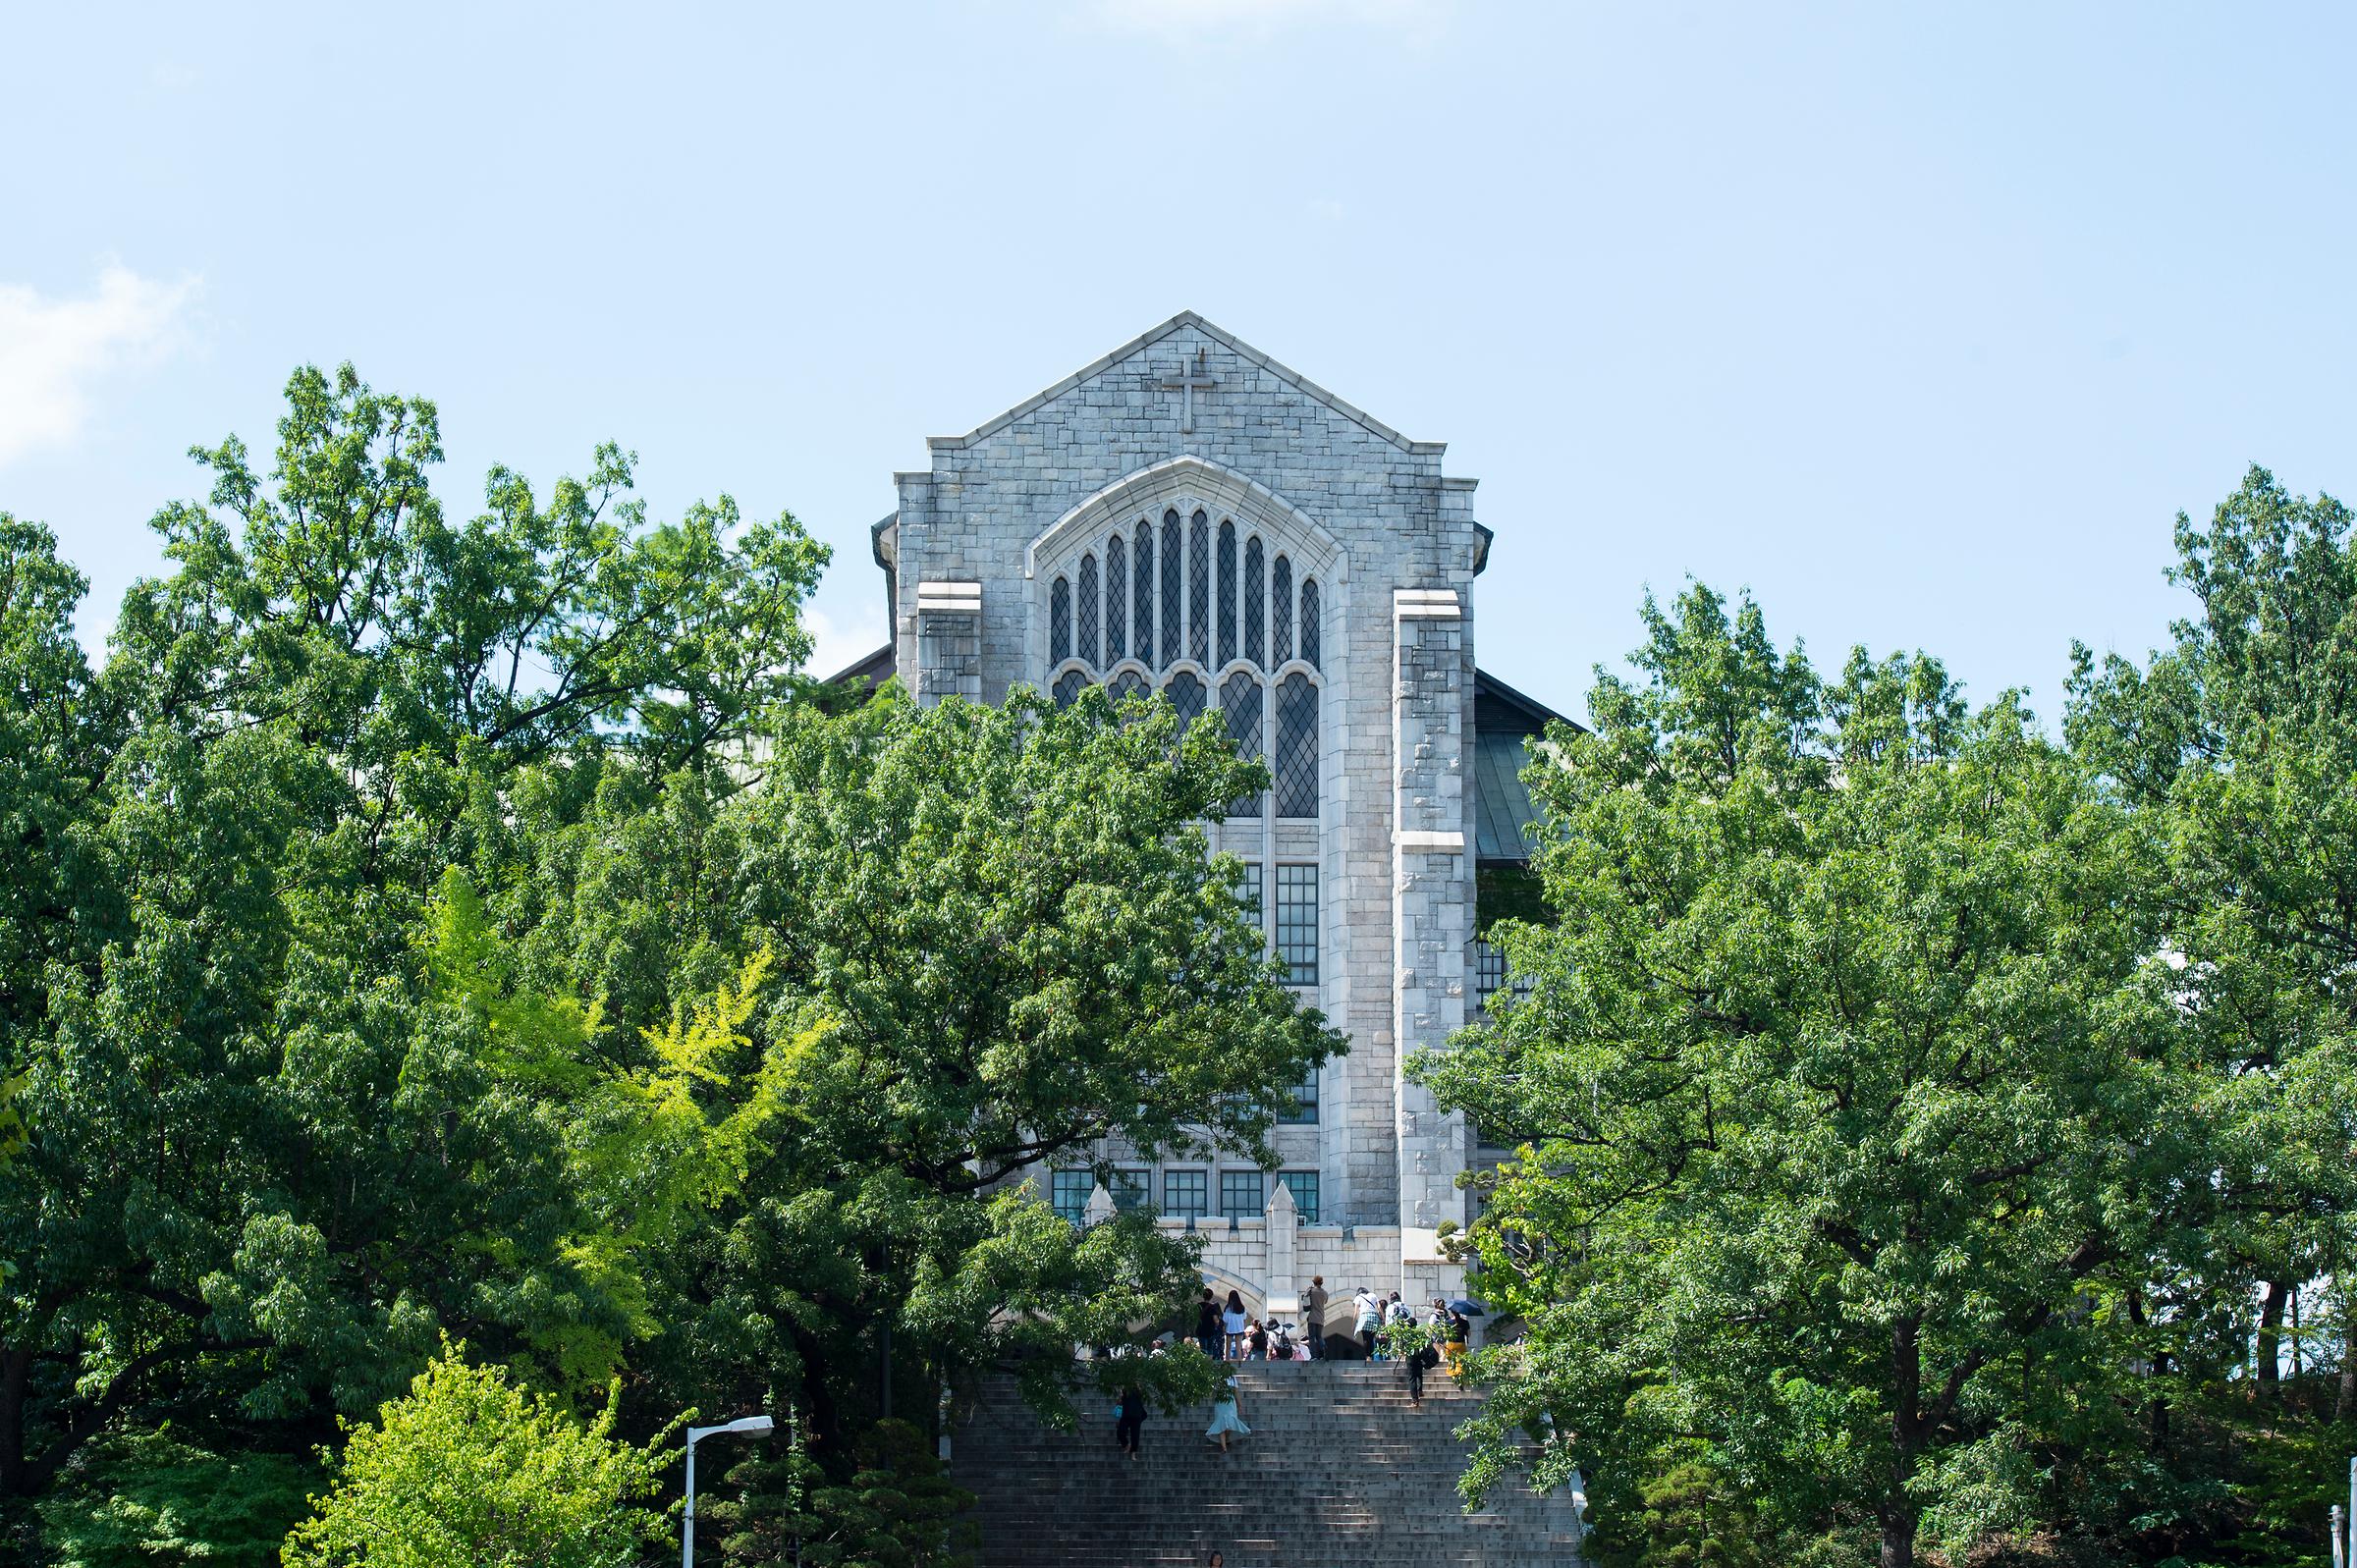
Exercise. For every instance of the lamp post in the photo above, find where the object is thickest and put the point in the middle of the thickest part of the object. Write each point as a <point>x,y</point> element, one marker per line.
<point>750,1427</point>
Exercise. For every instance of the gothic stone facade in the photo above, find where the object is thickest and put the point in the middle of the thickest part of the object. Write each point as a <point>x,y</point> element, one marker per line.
<point>1188,516</point>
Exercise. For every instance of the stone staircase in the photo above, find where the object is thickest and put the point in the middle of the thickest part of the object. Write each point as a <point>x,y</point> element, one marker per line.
<point>1342,1471</point>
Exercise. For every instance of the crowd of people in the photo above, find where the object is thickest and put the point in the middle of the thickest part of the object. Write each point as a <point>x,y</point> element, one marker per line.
<point>1227,1331</point>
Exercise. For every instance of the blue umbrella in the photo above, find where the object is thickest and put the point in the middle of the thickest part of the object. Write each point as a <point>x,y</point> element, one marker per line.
<point>1469,1308</point>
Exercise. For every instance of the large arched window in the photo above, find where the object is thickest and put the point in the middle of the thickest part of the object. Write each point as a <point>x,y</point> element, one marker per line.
<point>1239,705</point>
<point>1295,763</point>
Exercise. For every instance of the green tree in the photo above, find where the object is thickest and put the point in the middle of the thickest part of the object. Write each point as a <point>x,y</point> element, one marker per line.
<point>2238,742</point>
<point>1842,1094</point>
<point>469,1472</point>
<point>267,1151</point>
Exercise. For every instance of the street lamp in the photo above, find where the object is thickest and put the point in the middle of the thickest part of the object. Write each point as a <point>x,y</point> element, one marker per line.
<point>750,1427</point>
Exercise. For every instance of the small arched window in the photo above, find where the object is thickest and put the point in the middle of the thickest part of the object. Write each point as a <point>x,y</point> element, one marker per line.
<point>1117,600</point>
<point>1310,621</point>
<point>1227,592</point>
<point>1129,684</point>
<point>1068,687</point>
<point>1141,603</point>
<point>1281,611</point>
<point>1187,694</point>
<point>1198,590</point>
<point>1086,621</point>
<point>1256,641</point>
<point>1295,763</point>
<point>1059,621</point>
<point>1239,705</point>
<point>1174,607</point>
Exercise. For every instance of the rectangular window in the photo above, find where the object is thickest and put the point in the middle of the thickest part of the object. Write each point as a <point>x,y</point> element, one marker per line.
<point>1069,1191</point>
<point>1240,1195</point>
<point>1304,1185</point>
<point>1488,972</point>
<point>1185,1194</point>
<point>1303,1112</point>
<point>1131,1188</point>
<point>1297,922</point>
<point>1248,889</point>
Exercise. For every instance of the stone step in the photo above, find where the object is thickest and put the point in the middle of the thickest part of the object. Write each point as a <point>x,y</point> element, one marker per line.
<point>1340,1467</point>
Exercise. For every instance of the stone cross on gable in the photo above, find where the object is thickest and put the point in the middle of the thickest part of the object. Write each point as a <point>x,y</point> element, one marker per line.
<point>1181,381</point>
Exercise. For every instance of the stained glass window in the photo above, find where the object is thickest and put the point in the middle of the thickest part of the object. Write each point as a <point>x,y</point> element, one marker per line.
<point>1310,621</point>
<point>1297,922</point>
<point>1068,687</point>
<point>1187,694</point>
<point>1295,763</point>
<point>1059,621</point>
<point>1281,611</point>
<point>1255,604</point>
<point>1198,590</point>
<point>1240,1195</point>
<point>1226,638</point>
<point>1173,606</point>
<point>1141,604</point>
<point>1117,600</point>
<point>1086,621</point>
<point>1240,702</point>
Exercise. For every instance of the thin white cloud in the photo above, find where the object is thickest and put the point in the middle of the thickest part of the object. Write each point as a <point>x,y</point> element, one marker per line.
<point>1219,21</point>
<point>53,351</point>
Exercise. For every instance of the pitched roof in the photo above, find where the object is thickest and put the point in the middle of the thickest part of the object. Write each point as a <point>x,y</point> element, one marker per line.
<point>1235,345</point>
<point>1505,722</point>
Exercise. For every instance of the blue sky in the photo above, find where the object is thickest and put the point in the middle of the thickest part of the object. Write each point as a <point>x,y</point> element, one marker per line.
<point>1921,322</point>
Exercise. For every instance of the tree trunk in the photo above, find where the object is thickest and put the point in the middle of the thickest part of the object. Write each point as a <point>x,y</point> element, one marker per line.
<point>2344,1404</point>
<point>1898,1521</point>
<point>16,1380</point>
<point>2270,1336</point>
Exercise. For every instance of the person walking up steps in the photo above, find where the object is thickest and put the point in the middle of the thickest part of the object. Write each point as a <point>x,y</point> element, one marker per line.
<point>1133,1419</point>
<point>1224,1416</point>
<point>1313,1315</point>
<point>1235,1321</point>
<point>1370,1318</point>
<point>1207,1324</point>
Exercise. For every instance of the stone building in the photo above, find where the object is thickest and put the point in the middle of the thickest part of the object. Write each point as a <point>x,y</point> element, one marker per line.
<point>1187,516</point>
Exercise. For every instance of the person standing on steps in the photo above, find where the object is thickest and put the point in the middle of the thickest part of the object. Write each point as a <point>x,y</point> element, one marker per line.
<point>1420,1361</point>
<point>1132,1422</point>
<point>1207,1324</point>
<point>1224,1416</point>
<point>1313,1315</point>
<point>1370,1318</point>
<point>1235,1321</point>
<point>1461,1330</point>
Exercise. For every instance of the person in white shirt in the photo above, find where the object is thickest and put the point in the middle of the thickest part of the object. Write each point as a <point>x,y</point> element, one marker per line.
<point>1370,1318</point>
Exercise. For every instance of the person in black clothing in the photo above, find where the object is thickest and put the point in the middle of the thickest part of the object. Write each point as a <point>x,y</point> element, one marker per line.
<point>1419,1362</point>
<point>1133,1419</point>
<point>1208,1329</point>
